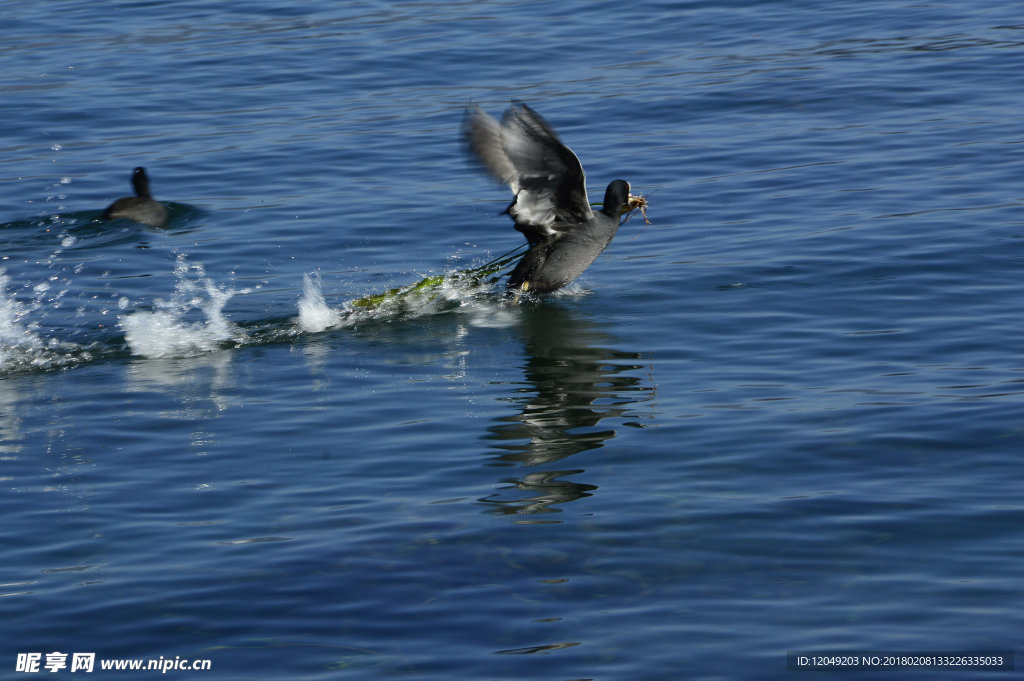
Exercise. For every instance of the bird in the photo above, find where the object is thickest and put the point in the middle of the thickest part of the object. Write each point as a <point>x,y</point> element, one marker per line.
<point>142,207</point>
<point>550,207</point>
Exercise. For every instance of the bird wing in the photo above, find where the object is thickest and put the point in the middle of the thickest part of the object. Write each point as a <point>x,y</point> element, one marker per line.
<point>545,175</point>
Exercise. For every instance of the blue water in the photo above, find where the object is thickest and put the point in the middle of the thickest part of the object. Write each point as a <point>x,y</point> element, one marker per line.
<point>788,415</point>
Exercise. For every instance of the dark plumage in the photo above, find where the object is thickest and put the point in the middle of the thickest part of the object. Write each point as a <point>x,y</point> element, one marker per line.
<point>550,206</point>
<point>142,207</point>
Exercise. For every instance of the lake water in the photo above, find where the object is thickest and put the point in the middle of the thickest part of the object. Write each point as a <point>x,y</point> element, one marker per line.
<point>786,416</point>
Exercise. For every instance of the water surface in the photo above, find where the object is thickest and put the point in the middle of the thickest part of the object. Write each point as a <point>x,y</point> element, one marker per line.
<point>785,416</point>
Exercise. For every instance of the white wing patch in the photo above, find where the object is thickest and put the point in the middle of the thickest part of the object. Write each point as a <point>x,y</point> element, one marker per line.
<point>534,208</point>
<point>545,175</point>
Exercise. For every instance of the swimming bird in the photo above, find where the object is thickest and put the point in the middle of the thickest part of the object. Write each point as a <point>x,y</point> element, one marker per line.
<point>550,207</point>
<point>142,207</point>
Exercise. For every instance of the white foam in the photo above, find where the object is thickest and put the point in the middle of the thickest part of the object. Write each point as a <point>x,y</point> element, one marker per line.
<point>167,332</point>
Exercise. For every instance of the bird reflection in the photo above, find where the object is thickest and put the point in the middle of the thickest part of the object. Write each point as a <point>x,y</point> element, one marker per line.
<point>574,381</point>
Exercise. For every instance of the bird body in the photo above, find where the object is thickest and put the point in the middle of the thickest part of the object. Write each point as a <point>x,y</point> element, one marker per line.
<point>554,261</point>
<point>550,207</point>
<point>142,207</point>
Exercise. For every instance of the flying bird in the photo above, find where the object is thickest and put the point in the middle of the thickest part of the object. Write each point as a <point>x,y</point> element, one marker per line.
<point>550,207</point>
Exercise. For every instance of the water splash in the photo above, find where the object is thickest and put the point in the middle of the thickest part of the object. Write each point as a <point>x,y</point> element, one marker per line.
<point>17,340</point>
<point>465,292</point>
<point>315,315</point>
<point>191,322</point>
<point>22,346</point>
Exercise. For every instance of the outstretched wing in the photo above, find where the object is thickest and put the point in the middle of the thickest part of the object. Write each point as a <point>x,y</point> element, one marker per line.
<point>524,152</point>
